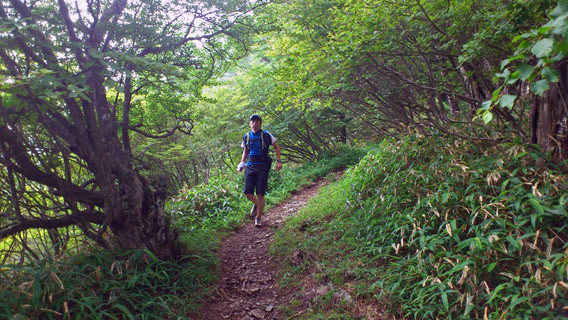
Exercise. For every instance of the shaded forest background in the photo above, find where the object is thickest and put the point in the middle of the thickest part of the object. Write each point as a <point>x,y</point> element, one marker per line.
<point>121,121</point>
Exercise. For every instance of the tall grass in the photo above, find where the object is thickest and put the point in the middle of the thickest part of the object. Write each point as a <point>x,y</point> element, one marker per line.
<point>137,285</point>
<point>443,229</point>
<point>106,285</point>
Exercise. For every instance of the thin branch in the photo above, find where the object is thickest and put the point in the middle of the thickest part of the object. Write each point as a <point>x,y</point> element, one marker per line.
<point>22,225</point>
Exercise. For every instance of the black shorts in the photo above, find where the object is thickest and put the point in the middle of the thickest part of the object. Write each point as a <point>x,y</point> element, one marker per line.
<point>256,176</point>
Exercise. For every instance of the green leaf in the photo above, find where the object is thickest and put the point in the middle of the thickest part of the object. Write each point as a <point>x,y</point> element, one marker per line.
<point>132,281</point>
<point>445,300</point>
<point>537,206</point>
<point>525,71</point>
<point>505,75</point>
<point>151,255</point>
<point>562,47</point>
<point>517,57</point>
<point>507,101</point>
<point>558,25</point>
<point>487,117</point>
<point>37,291</point>
<point>512,78</point>
<point>544,30</point>
<point>453,224</point>
<point>491,266</point>
<point>125,310</point>
<point>516,300</point>
<point>96,54</point>
<point>504,63</point>
<point>494,294</point>
<point>540,87</point>
<point>550,74</point>
<point>486,105</point>
<point>495,94</point>
<point>542,48</point>
<point>524,45</point>
<point>561,9</point>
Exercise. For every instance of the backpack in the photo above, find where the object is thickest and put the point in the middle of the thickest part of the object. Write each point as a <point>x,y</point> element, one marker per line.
<point>264,138</point>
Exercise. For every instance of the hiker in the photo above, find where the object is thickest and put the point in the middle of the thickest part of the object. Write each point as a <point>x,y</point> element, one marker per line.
<point>255,152</point>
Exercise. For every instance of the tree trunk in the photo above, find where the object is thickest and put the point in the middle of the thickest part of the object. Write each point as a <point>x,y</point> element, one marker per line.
<point>549,117</point>
<point>138,219</point>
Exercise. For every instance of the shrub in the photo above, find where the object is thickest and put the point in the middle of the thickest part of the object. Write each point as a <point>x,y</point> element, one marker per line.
<point>444,228</point>
<point>106,285</point>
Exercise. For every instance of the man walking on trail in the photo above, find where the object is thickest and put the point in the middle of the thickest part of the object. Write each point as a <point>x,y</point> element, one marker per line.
<point>255,152</point>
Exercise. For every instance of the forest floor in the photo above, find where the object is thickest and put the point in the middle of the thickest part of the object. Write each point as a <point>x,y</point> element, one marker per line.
<point>247,289</point>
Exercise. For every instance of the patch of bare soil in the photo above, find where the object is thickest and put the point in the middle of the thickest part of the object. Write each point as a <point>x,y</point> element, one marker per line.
<point>247,289</point>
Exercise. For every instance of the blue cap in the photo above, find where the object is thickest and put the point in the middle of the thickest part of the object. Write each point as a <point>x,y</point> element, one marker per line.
<point>255,116</point>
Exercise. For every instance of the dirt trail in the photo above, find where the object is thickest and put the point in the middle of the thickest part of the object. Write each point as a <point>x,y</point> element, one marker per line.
<point>247,289</point>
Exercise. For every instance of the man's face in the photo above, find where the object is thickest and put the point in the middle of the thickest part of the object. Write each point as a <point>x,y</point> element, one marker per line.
<point>255,125</point>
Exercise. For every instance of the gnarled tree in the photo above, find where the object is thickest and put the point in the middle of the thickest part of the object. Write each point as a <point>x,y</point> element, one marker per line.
<point>71,73</point>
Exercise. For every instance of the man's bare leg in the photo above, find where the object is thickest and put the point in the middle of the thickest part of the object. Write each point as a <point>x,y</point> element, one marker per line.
<point>260,205</point>
<point>253,199</point>
<point>259,202</point>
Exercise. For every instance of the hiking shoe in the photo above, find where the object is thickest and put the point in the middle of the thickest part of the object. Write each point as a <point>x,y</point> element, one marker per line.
<point>253,211</point>
<point>257,222</point>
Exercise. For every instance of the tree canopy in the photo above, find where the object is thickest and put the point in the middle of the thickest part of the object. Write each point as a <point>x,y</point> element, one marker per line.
<point>110,106</point>
<point>81,83</point>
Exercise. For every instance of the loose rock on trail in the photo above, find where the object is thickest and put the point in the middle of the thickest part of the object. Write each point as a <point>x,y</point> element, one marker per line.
<point>247,289</point>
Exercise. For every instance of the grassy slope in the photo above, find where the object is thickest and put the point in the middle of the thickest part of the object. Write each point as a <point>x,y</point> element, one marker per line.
<point>433,228</point>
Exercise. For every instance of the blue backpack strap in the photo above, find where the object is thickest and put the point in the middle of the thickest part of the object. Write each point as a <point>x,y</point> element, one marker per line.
<point>264,138</point>
<point>266,141</point>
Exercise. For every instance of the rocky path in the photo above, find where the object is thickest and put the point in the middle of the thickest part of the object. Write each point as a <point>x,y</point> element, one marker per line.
<point>247,289</point>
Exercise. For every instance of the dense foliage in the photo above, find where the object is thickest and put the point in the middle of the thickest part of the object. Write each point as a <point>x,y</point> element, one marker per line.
<point>105,285</point>
<point>87,88</point>
<point>121,123</point>
<point>378,68</point>
<point>137,285</point>
<point>441,228</point>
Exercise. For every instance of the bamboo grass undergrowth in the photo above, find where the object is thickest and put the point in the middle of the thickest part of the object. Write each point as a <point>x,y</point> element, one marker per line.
<point>106,285</point>
<point>439,228</point>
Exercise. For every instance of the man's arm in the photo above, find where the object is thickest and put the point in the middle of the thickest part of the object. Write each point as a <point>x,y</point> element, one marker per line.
<point>243,159</point>
<point>245,154</point>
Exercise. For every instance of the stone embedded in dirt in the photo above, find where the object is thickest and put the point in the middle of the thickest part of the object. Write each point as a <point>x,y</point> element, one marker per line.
<point>343,295</point>
<point>257,313</point>
<point>269,308</point>
<point>313,293</point>
<point>322,290</point>
<point>254,289</point>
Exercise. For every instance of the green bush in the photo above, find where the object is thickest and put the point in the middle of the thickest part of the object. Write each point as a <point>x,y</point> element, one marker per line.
<point>215,205</point>
<point>106,285</point>
<point>446,229</point>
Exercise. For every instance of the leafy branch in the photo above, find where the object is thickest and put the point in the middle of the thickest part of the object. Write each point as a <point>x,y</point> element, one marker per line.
<point>537,53</point>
